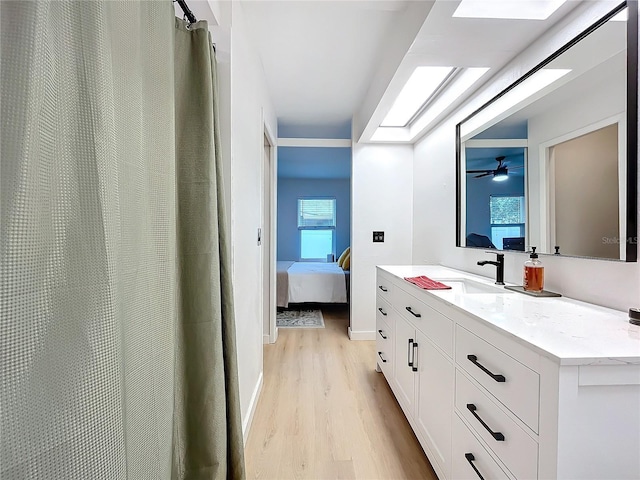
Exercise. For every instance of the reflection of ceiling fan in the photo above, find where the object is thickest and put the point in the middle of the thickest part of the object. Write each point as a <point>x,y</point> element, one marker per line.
<point>501,172</point>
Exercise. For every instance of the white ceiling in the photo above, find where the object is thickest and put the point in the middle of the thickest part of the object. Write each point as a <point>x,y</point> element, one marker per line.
<point>320,56</point>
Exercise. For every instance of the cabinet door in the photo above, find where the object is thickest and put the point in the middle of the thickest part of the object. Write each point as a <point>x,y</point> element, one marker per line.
<point>434,403</point>
<point>404,336</point>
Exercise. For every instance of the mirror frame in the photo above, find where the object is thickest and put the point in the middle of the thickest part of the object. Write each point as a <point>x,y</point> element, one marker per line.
<point>632,125</point>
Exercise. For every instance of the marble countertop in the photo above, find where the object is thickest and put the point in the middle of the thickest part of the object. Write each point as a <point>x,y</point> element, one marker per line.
<point>568,331</point>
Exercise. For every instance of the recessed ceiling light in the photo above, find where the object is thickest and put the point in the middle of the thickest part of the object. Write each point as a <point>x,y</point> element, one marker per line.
<point>508,9</point>
<point>422,84</point>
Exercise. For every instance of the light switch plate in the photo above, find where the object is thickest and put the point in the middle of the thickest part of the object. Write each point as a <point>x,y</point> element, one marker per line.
<point>378,237</point>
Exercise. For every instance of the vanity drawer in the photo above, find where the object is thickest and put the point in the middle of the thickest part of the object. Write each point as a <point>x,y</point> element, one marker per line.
<point>383,308</point>
<point>513,384</point>
<point>468,453</point>
<point>433,324</point>
<point>515,448</point>
<point>384,286</point>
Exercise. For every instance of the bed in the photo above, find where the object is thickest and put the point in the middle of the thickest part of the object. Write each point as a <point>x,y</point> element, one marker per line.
<point>311,282</point>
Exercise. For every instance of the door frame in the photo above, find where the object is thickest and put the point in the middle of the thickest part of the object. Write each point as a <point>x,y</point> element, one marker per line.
<point>269,176</point>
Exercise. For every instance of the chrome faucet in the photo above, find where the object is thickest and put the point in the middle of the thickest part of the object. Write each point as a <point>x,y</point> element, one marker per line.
<point>499,267</point>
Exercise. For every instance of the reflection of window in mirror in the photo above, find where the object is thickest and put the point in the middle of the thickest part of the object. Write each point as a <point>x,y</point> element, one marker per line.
<point>494,193</point>
<point>584,194</point>
<point>507,214</point>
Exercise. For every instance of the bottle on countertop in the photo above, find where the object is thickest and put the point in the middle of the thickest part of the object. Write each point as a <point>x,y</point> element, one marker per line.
<point>533,273</point>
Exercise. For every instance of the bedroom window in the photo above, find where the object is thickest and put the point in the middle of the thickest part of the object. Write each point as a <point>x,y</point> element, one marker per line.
<point>507,218</point>
<point>317,227</point>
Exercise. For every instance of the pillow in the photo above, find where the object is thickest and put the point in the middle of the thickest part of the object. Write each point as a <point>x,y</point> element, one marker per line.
<point>343,256</point>
<point>346,264</point>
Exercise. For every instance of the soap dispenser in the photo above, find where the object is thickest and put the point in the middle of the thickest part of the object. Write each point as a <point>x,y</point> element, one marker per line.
<point>533,273</point>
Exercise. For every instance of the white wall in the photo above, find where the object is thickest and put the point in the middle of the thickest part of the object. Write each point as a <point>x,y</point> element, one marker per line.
<point>381,184</point>
<point>612,284</point>
<point>250,109</point>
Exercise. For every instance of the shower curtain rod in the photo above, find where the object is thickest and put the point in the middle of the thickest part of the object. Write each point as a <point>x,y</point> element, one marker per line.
<point>187,11</point>
<point>190,16</point>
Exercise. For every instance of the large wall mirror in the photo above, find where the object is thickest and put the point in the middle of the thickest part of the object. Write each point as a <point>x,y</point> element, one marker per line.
<point>551,161</point>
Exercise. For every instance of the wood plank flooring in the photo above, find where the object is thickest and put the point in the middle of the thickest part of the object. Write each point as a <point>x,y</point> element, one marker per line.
<point>324,412</point>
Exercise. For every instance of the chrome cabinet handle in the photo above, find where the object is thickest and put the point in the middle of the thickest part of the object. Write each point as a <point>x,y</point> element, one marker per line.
<point>470,458</point>
<point>497,435</point>
<point>409,351</point>
<point>497,377</point>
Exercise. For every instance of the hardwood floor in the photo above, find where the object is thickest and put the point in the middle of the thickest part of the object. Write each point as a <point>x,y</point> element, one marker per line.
<point>325,413</point>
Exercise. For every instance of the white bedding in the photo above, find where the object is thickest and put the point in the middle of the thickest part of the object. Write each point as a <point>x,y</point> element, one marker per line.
<point>317,282</point>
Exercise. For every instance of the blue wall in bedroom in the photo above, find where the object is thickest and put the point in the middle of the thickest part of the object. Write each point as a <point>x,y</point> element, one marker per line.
<point>289,190</point>
<point>314,162</point>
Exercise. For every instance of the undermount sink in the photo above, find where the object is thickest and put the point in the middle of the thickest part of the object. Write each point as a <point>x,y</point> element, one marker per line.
<point>464,285</point>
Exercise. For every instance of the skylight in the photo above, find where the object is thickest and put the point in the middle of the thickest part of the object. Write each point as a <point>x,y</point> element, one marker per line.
<point>521,93</point>
<point>462,83</point>
<point>422,84</point>
<point>508,9</point>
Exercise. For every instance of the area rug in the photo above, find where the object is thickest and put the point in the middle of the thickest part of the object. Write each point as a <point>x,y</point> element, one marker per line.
<point>300,319</point>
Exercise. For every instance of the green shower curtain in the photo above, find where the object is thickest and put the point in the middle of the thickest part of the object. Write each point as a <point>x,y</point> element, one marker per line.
<point>208,439</point>
<point>117,348</point>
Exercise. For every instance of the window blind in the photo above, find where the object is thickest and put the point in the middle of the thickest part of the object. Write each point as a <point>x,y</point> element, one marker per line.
<point>316,212</point>
<point>507,210</point>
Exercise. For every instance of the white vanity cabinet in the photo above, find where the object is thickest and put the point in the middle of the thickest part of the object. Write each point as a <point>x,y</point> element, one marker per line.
<point>499,386</point>
<point>423,378</point>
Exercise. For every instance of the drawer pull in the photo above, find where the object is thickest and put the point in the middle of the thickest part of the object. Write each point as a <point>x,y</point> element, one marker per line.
<point>382,334</point>
<point>409,352</point>
<point>496,377</point>
<point>382,311</point>
<point>384,360</point>
<point>470,458</point>
<point>382,287</point>
<point>414,363</point>
<point>417,315</point>
<point>497,435</point>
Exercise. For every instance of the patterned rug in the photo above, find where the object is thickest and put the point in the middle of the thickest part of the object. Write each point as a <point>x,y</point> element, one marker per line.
<point>300,319</point>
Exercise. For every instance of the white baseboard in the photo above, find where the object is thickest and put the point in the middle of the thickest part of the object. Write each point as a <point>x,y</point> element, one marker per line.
<point>246,425</point>
<point>361,335</point>
<point>266,339</point>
